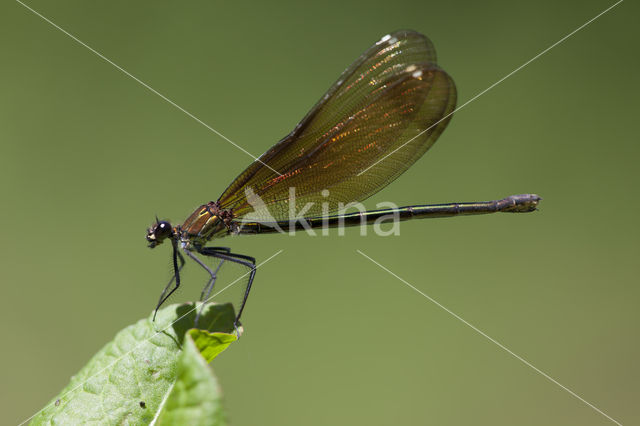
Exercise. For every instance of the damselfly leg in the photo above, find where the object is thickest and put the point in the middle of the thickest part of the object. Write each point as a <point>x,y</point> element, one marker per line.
<point>240,259</point>
<point>166,293</point>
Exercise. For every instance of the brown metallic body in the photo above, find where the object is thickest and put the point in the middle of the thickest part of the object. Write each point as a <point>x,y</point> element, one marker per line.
<point>207,222</point>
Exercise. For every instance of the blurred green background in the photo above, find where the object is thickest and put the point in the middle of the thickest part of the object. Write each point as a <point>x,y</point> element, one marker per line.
<point>88,157</point>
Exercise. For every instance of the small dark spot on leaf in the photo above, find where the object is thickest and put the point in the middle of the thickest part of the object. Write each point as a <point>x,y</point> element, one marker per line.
<point>143,405</point>
<point>57,402</point>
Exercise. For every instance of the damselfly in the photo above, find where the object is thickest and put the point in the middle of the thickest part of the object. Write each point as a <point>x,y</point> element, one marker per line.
<point>382,114</point>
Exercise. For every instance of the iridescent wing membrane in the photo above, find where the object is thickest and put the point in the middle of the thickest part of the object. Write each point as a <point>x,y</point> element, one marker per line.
<point>393,95</point>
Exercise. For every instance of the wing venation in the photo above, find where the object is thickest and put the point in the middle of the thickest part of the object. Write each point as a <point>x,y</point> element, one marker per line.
<point>393,93</point>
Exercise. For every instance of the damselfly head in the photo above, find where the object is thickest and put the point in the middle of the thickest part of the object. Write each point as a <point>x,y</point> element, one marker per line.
<point>157,233</point>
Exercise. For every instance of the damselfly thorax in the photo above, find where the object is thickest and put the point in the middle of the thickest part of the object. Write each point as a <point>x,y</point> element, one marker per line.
<point>207,222</point>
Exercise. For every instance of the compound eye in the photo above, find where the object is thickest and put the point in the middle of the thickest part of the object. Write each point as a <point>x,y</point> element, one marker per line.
<point>163,230</point>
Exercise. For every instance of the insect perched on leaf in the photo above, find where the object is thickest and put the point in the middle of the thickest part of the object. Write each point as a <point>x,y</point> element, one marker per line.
<point>382,114</point>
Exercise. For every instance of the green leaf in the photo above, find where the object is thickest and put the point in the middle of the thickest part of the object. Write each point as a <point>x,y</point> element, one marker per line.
<point>128,380</point>
<point>195,399</point>
<point>210,344</point>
